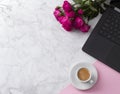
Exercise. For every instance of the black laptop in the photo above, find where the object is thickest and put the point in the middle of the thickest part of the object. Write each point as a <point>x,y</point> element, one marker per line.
<point>104,41</point>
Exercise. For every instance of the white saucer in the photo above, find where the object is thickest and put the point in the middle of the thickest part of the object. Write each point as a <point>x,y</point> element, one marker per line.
<point>77,83</point>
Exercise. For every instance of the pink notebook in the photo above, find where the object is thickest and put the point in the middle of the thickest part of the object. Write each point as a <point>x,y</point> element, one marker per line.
<point>108,82</point>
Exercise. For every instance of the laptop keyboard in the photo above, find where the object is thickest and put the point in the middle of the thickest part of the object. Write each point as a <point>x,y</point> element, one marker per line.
<point>110,28</point>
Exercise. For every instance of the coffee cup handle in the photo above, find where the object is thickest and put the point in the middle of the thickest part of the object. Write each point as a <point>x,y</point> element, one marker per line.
<point>91,81</point>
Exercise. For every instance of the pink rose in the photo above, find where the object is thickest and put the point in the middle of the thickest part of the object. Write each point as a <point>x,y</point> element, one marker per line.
<point>85,28</point>
<point>80,11</point>
<point>65,19</point>
<point>70,14</point>
<point>67,6</point>
<point>57,13</point>
<point>67,27</point>
<point>78,22</point>
<point>67,23</point>
<point>60,19</point>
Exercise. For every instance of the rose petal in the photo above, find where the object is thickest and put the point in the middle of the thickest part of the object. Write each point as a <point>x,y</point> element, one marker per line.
<point>70,14</point>
<point>85,28</point>
<point>78,22</point>
<point>57,13</point>
<point>80,11</point>
<point>66,23</point>
<point>67,7</point>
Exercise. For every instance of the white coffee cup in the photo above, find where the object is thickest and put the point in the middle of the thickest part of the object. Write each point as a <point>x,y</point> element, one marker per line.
<point>83,84</point>
<point>86,80</point>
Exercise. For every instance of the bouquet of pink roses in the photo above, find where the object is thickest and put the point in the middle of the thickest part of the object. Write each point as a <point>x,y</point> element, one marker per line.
<point>76,16</point>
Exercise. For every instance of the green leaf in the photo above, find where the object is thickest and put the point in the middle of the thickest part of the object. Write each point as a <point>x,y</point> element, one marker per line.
<point>86,12</point>
<point>87,2</point>
<point>84,7</point>
<point>84,2</point>
<point>93,8</point>
<point>92,15</point>
<point>77,1</point>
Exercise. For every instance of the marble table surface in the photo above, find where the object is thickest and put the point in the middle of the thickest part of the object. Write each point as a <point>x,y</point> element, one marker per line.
<point>35,52</point>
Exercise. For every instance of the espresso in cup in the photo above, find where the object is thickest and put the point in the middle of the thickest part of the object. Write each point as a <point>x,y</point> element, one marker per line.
<point>83,74</point>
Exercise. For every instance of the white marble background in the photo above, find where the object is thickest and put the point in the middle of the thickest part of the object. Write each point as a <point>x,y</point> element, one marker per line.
<point>35,52</point>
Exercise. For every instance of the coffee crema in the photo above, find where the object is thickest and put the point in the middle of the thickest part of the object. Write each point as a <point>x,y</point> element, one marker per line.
<point>83,74</point>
